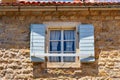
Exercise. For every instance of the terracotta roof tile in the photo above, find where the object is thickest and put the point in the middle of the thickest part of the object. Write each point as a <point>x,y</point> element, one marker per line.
<point>76,2</point>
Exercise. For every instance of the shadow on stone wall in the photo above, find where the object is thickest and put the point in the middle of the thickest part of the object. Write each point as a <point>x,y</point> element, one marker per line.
<point>86,69</point>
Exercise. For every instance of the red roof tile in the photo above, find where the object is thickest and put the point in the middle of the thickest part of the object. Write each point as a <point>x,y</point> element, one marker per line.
<point>74,3</point>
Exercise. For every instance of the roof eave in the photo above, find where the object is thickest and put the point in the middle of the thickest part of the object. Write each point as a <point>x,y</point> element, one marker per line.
<point>56,8</point>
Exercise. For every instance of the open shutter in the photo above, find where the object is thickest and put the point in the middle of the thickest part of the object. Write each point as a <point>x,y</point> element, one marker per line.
<point>37,42</point>
<point>86,43</point>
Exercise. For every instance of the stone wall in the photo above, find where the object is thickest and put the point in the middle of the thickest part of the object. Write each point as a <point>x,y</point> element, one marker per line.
<point>14,45</point>
<point>8,1</point>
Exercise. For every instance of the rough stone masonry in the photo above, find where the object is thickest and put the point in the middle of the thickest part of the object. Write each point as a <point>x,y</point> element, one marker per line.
<point>15,38</point>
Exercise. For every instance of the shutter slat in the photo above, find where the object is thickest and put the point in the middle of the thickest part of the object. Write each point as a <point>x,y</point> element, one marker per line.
<point>86,29</point>
<point>87,48</point>
<point>39,48</point>
<point>36,34</point>
<point>84,34</point>
<point>38,31</point>
<point>37,42</point>
<point>88,51</point>
<point>89,37</point>
<point>38,37</point>
<point>86,42</point>
<point>37,51</point>
<point>86,45</point>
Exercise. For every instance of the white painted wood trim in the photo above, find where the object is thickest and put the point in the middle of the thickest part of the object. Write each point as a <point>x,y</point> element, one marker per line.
<point>54,54</point>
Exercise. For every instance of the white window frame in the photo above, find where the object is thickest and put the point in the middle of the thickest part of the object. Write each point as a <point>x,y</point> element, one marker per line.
<point>62,43</point>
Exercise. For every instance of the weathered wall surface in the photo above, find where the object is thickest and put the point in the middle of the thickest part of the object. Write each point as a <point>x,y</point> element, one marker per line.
<point>14,45</point>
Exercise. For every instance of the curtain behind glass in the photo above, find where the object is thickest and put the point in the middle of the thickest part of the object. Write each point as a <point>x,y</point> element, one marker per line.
<point>55,45</point>
<point>69,44</point>
<point>55,35</point>
<point>69,35</point>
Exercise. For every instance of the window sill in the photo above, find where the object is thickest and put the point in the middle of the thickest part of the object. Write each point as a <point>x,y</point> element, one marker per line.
<point>63,65</point>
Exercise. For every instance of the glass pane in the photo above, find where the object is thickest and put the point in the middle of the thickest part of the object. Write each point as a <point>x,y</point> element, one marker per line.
<point>55,46</point>
<point>69,59</point>
<point>55,35</point>
<point>69,35</point>
<point>69,45</point>
<point>55,59</point>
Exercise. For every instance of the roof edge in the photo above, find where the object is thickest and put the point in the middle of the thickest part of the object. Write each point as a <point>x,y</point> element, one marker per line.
<point>54,8</point>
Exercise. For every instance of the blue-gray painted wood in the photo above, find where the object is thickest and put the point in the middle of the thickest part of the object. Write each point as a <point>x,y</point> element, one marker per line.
<point>37,42</point>
<point>89,59</point>
<point>37,59</point>
<point>86,45</point>
<point>86,42</point>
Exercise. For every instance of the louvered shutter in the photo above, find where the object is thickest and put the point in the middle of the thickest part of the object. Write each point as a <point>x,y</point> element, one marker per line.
<point>86,42</point>
<point>37,42</point>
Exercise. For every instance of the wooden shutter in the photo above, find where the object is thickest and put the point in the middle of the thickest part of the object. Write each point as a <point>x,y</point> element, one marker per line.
<point>86,43</point>
<point>37,42</point>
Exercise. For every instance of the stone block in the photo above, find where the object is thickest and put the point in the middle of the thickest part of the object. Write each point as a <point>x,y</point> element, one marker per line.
<point>95,13</point>
<point>95,17</point>
<point>105,13</point>
<point>48,17</point>
<point>9,76</point>
<point>21,76</point>
<point>14,66</point>
<point>103,73</point>
<point>21,18</point>
<point>63,17</point>
<point>101,63</point>
<point>117,60</point>
<point>9,71</point>
<point>117,17</point>
<point>110,63</point>
<point>83,13</point>
<point>1,67</point>
<point>109,17</point>
<point>27,71</point>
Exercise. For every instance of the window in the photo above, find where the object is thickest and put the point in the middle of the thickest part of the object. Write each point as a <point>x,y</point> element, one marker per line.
<point>72,44</point>
<point>62,42</point>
